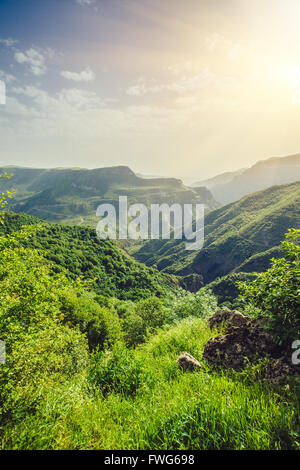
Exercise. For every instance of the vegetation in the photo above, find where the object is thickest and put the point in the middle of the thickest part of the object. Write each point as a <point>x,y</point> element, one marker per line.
<point>73,195</point>
<point>276,293</point>
<point>4,195</point>
<point>91,364</point>
<point>226,288</point>
<point>78,252</point>
<point>234,234</point>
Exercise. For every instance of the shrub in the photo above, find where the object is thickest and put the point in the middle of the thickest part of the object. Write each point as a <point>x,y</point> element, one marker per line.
<point>41,350</point>
<point>147,316</point>
<point>117,371</point>
<point>101,324</point>
<point>277,291</point>
<point>202,304</point>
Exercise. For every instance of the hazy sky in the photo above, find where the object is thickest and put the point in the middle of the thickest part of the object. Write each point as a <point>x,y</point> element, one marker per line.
<point>168,87</point>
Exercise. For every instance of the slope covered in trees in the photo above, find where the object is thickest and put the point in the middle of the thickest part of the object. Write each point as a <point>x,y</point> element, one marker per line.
<point>73,195</point>
<point>74,377</point>
<point>78,251</point>
<point>242,236</point>
<point>86,370</point>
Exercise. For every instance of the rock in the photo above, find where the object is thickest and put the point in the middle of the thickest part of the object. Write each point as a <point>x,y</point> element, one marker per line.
<point>239,347</point>
<point>277,370</point>
<point>227,318</point>
<point>246,340</point>
<point>188,362</point>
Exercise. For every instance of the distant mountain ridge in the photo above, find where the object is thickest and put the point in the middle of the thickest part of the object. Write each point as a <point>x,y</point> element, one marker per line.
<point>224,178</point>
<point>231,186</point>
<point>73,195</point>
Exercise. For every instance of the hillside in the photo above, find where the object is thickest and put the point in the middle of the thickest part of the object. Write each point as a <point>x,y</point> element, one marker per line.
<point>224,178</point>
<point>241,236</point>
<point>73,195</point>
<point>230,187</point>
<point>78,251</point>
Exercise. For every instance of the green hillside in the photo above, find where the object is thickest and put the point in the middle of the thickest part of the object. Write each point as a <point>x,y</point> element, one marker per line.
<point>78,251</point>
<point>96,367</point>
<point>73,195</point>
<point>242,236</point>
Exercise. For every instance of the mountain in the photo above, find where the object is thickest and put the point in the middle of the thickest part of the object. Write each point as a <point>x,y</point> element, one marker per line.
<point>73,195</point>
<point>78,252</point>
<point>224,178</point>
<point>230,187</point>
<point>239,237</point>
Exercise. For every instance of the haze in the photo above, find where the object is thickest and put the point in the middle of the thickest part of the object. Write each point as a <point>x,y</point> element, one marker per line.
<point>172,88</point>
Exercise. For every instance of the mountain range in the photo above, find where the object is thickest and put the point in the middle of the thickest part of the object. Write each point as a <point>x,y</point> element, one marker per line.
<point>240,237</point>
<point>73,195</point>
<point>231,186</point>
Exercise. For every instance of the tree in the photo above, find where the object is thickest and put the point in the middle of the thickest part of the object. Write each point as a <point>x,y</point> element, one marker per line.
<point>276,292</point>
<point>4,195</point>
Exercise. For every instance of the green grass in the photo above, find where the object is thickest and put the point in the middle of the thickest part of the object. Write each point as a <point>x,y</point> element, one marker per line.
<point>169,409</point>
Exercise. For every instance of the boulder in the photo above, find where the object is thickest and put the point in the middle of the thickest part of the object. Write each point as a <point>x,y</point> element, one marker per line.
<point>246,340</point>
<point>239,347</point>
<point>188,362</point>
<point>226,319</point>
<point>277,370</point>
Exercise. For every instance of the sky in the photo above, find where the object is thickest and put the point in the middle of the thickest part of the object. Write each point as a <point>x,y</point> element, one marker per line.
<point>188,89</point>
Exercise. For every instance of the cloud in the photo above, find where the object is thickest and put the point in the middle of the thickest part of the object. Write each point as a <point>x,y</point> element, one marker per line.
<point>233,50</point>
<point>83,115</point>
<point>2,93</point>
<point>9,42</point>
<point>86,75</point>
<point>68,100</point>
<point>35,59</point>
<point>80,98</point>
<point>214,40</point>
<point>7,77</point>
<point>85,2</point>
<point>181,86</point>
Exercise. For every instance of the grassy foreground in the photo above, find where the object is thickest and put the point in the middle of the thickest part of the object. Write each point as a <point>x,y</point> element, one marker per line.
<point>147,403</point>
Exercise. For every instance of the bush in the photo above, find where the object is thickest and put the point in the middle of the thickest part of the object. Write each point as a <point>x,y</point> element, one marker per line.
<point>147,316</point>
<point>117,371</point>
<point>202,304</point>
<point>276,293</point>
<point>41,351</point>
<point>101,324</point>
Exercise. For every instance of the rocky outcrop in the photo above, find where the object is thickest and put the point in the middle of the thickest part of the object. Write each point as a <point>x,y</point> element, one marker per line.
<point>228,319</point>
<point>188,362</point>
<point>277,370</point>
<point>245,340</point>
<point>239,346</point>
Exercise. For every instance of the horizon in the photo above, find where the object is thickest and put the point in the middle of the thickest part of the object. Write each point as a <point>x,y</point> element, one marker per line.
<point>165,89</point>
<point>184,179</point>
